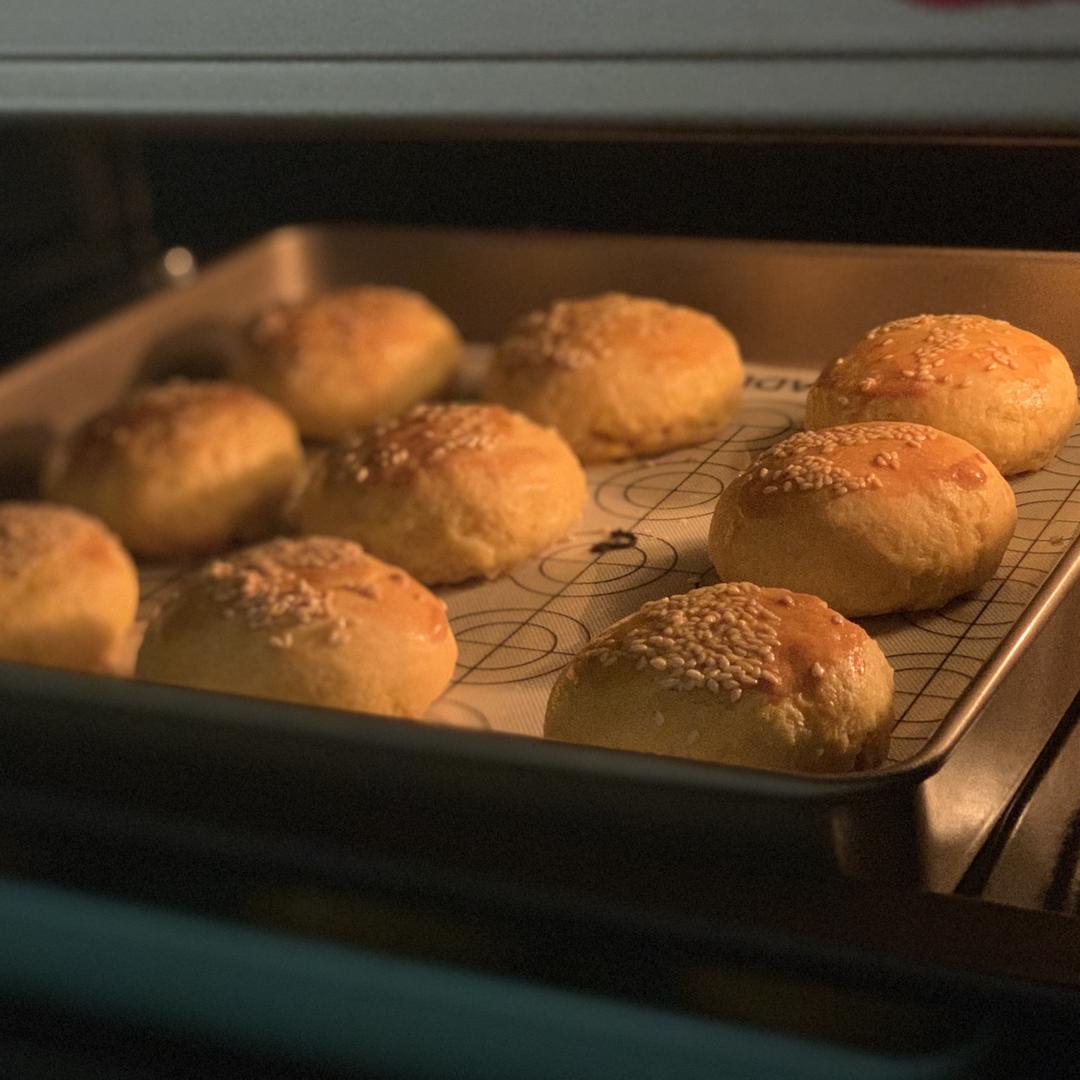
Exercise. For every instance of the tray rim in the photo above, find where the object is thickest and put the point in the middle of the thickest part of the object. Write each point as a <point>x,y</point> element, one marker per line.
<point>540,752</point>
<point>288,232</point>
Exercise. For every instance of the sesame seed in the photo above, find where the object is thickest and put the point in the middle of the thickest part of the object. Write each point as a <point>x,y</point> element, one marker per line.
<point>156,420</point>
<point>722,637</point>
<point>423,436</point>
<point>692,738</point>
<point>268,586</point>
<point>31,531</point>
<point>576,334</point>
<point>804,461</point>
<point>817,670</point>
<point>658,719</point>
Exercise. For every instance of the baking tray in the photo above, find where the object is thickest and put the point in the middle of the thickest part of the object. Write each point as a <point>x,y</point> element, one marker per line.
<point>981,686</point>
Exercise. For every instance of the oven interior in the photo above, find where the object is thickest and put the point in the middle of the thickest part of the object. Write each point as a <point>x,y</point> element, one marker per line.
<point>98,214</point>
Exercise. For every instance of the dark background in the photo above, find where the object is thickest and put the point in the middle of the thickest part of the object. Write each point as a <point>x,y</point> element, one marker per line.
<point>85,211</point>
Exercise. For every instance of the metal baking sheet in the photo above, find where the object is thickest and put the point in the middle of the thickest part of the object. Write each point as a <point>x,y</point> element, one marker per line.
<point>980,685</point>
<point>517,632</point>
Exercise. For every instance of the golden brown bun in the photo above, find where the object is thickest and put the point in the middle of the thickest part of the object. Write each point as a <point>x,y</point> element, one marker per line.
<point>873,517</point>
<point>181,469</point>
<point>315,621</point>
<point>350,357</point>
<point>449,492</point>
<point>68,590</point>
<point>731,673</point>
<point>1009,393</point>
<point>620,376</point>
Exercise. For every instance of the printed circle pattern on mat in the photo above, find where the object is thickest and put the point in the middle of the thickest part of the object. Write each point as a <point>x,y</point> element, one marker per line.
<point>458,714</point>
<point>664,490</point>
<point>508,645</point>
<point>576,569</point>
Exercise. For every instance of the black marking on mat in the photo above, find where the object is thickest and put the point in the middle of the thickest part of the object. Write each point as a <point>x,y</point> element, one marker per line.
<point>617,540</point>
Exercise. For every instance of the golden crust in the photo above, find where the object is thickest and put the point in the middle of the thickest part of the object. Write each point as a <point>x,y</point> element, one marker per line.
<point>873,517</point>
<point>68,589</point>
<point>180,469</point>
<point>448,492</point>
<point>315,621</point>
<point>620,376</point>
<point>349,357</point>
<point>1006,391</point>
<point>731,673</point>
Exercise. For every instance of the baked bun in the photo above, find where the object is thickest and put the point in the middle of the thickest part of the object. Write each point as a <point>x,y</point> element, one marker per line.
<point>448,492</point>
<point>731,673</point>
<point>1009,393</point>
<point>181,469</point>
<point>872,517</point>
<point>349,357</point>
<point>314,621</point>
<point>620,376</point>
<point>68,590</point>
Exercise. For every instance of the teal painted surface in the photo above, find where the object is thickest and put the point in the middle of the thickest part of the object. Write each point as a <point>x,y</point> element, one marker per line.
<point>997,96</point>
<point>317,1003</point>
<point>474,27</point>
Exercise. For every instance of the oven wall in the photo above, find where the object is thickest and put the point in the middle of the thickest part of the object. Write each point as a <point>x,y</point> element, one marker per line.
<point>86,211</point>
<point>76,228</point>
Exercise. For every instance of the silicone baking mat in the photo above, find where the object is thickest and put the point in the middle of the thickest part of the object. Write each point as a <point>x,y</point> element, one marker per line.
<point>643,536</point>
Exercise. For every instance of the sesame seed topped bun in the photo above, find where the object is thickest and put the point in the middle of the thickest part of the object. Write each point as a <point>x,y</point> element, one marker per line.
<point>448,492</point>
<point>314,621</point>
<point>620,376</point>
<point>181,469</point>
<point>68,590</point>
<point>349,357</point>
<point>874,517</point>
<point>731,673</point>
<point>1009,393</point>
